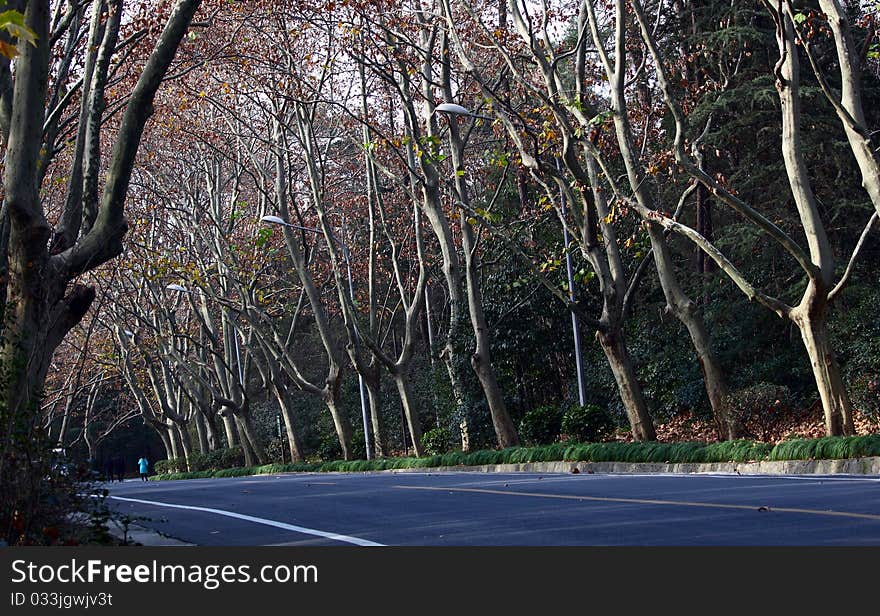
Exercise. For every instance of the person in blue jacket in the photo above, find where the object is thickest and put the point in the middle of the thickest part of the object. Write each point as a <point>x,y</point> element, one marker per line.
<point>143,467</point>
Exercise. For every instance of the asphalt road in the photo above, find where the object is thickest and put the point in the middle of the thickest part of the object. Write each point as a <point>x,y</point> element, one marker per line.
<point>471,509</point>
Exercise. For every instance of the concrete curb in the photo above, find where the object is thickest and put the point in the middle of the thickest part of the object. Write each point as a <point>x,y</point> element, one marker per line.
<point>849,466</point>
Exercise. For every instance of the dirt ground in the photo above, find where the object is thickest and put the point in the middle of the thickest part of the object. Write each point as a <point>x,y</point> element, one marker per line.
<point>773,427</point>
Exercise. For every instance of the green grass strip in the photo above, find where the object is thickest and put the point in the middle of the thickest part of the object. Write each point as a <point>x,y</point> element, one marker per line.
<point>828,448</point>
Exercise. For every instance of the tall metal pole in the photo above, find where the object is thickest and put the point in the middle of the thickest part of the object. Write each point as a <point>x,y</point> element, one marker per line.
<point>345,254</point>
<point>582,394</point>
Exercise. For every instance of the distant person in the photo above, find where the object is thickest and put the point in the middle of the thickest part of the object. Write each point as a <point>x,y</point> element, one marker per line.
<point>108,469</point>
<point>119,467</point>
<point>143,467</point>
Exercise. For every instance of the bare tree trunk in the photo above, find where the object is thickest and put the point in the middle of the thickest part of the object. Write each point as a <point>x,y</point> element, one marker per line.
<point>44,306</point>
<point>481,360</point>
<point>294,442</point>
<point>166,442</point>
<point>614,346</point>
<point>410,412</point>
<point>850,106</point>
<point>211,430</point>
<point>684,309</point>
<point>505,431</point>
<point>810,318</point>
<point>173,440</point>
<point>253,451</point>
<point>229,427</point>
<point>202,431</point>
<point>185,444</point>
<point>342,425</point>
<point>678,303</point>
<point>374,392</point>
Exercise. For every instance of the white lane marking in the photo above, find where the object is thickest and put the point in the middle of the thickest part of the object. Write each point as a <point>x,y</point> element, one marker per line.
<point>250,518</point>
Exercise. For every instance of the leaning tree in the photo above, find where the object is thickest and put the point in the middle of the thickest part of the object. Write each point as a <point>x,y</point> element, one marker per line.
<point>75,53</point>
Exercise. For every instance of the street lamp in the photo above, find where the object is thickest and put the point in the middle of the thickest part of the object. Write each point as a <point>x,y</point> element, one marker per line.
<point>454,109</point>
<point>277,220</point>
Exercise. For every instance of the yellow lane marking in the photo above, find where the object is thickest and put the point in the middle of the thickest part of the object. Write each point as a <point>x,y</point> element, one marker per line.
<point>649,501</point>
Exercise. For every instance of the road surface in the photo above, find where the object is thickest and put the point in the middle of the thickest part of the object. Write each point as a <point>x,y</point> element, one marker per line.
<point>493,509</point>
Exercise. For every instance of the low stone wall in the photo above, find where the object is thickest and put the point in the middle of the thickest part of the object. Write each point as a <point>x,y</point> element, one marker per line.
<point>849,466</point>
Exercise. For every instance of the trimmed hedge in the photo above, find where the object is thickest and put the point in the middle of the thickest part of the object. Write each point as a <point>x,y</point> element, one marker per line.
<point>833,447</point>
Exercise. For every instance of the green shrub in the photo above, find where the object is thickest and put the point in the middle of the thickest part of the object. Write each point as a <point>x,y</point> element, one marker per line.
<point>219,459</point>
<point>865,392</point>
<point>693,452</point>
<point>240,471</point>
<point>587,424</point>
<point>226,458</point>
<point>329,447</point>
<point>757,406</point>
<point>827,448</point>
<point>171,465</point>
<point>541,425</point>
<point>437,441</point>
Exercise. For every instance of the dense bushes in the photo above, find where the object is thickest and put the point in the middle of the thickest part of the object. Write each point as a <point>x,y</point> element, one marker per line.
<point>219,459</point>
<point>756,407</point>
<point>437,441</point>
<point>588,423</point>
<point>544,424</point>
<point>541,425</point>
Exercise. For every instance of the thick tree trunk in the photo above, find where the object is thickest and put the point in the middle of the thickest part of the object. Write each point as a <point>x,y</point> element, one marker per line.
<point>173,440</point>
<point>374,393</point>
<point>163,436</point>
<point>684,309</point>
<point>166,443</point>
<point>677,301</point>
<point>505,431</point>
<point>211,430</point>
<point>229,427</point>
<point>481,360</point>
<point>202,431</point>
<point>614,346</point>
<point>294,443</point>
<point>185,443</point>
<point>810,318</point>
<point>855,126</point>
<point>342,425</point>
<point>250,443</point>
<point>249,459</point>
<point>410,412</point>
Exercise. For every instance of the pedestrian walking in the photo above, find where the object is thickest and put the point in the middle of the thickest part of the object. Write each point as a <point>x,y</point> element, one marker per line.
<point>143,467</point>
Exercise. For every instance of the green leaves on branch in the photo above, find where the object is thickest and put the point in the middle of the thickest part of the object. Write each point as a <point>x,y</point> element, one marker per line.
<point>13,23</point>
<point>263,236</point>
